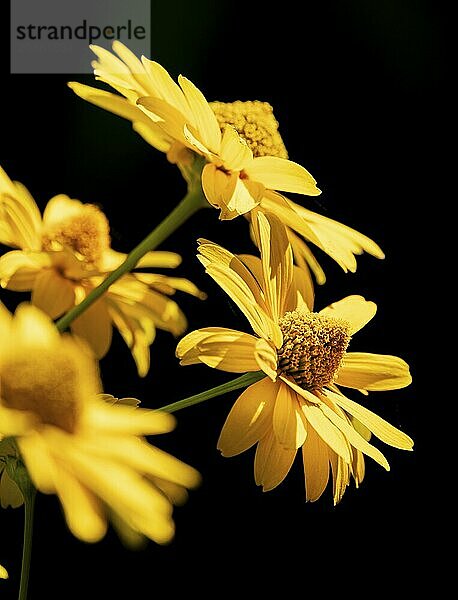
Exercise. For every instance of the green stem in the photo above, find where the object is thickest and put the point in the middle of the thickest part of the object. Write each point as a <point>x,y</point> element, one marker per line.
<point>235,384</point>
<point>191,203</point>
<point>29,503</point>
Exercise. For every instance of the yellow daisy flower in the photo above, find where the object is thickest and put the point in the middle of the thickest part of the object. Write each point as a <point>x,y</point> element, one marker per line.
<point>246,159</point>
<point>67,253</point>
<point>76,445</point>
<point>3,573</point>
<point>304,355</point>
<point>10,494</point>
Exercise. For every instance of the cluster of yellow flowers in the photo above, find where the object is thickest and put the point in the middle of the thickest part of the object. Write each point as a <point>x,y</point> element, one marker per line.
<point>89,448</point>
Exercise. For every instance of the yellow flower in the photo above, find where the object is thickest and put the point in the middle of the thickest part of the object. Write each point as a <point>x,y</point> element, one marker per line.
<point>246,159</point>
<point>67,253</point>
<point>304,354</point>
<point>234,179</point>
<point>3,573</point>
<point>10,495</point>
<point>76,445</point>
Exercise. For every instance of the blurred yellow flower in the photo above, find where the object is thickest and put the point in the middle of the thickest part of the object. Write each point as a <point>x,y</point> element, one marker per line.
<point>89,452</point>
<point>3,573</point>
<point>304,355</point>
<point>246,159</point>
<point>10,495</point>
<point>67,253</point>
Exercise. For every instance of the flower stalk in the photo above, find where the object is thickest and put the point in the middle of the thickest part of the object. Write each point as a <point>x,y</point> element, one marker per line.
<point>18,472</point>
<point>237,383</point>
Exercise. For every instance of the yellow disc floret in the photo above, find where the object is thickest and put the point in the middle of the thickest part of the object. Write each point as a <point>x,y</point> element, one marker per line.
<point>86,233</point>
<point>313,348</point>
<point>255,123</point>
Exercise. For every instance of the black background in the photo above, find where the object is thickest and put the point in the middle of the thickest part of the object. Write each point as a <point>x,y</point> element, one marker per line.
<point>351,84</point>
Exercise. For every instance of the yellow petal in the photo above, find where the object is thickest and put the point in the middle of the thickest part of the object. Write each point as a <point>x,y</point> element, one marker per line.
<point>267,359</point>
<point>249,419</point>
<point>169,285</point>
<point>112,102</point>
<point>144,458</point>
<point>18,270</point>
<point>15,422</point>
<point>166,116</point>
<point>94,326</point>
<point>138,333</point>
<point>287,212</point>
<point>134,65</point>
<point>39,461</point>
<point>123,419</point>
<point>3,573</point>
<point>237,281</point>
<point>138,502</point>
<point>315,457</point>
<point>272,462</point>
<point>83,511</point>
<point>311,398</point>
<point>304,257</point>
<point>153,135</point>
<point>235,288</point>
<point>340,475</point>
<point>247,267</point>
<point>6,185</point>
<point>163,312</point>
<point>60,208</point>
<point>336,239</point>
<point>354,438</point>
<point>33,327</point>
<point>162,259</point>
<point>52,293</point>
<point>204,119</point>
<point>327,431</point>
<point>110,62</point>
<point>20,219</point>
<point>301,294</point>
<point>235,152</point>
<point>354,309</point>
<point>16,226</point>
<point>283,175</point>
<point>358,467</point>
<point>289,427</point>
<point>165,88</point>
<point>378,426</point>
<point>373,372</point>
<point>219,188</point>
<point>220,348</point>
<point>277,262</point>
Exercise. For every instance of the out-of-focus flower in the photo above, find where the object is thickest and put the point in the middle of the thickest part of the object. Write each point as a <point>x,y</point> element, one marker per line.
<point>67,253</point>
<point>246,159</point>
<point>304,355</point>
<point>87,451</point>
<point>3,573</point>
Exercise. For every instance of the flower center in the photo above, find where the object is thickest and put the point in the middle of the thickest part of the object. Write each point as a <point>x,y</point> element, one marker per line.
<point>45,384</point>
<point>86,233</point>
<point>313,348</point>
<point>255,123</point>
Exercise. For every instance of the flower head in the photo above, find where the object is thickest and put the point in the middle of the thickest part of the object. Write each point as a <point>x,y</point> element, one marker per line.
<point>74,444</point>
<point>245,160</point>
<point>299,405</point>
<point>3,573</point>
<point>64,255</point>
